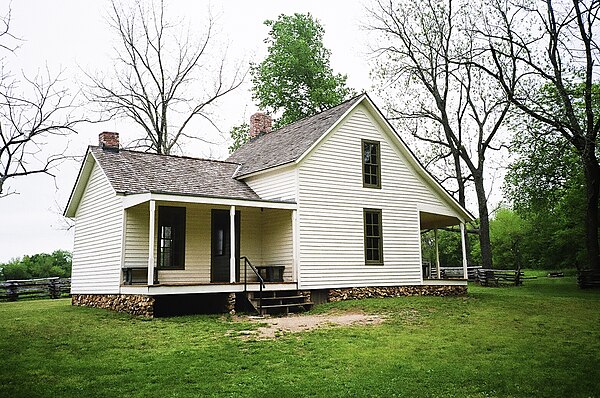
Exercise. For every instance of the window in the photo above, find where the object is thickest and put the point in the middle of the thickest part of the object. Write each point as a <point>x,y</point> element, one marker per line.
<point>373,237</point>
<point>371,164</point>
<point>171,237</point>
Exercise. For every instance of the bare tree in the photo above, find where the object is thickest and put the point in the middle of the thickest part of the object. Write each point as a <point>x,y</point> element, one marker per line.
<point>156,68</point>
<point>427,56</point>
<point>554,63</point>
<point>32,112</point>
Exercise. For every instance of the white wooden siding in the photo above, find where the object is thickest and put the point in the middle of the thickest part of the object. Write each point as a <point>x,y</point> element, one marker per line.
<point>277,241</point>
<point>278,184</point>
<point>331,200</point>
<point>251,237</point>
<point>98,238</point>
<point>136,236</point>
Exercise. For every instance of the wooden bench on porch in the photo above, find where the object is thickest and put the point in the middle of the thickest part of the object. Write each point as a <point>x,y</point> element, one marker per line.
<point>271,273</point>
<point>137,275</point>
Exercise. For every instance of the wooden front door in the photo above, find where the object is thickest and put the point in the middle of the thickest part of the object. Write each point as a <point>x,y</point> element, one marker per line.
<point>221,245</point>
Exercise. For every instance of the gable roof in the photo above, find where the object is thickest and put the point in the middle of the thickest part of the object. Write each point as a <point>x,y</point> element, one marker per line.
<point>294,142</point>
<point>288,143</point>
<point>131,172</point>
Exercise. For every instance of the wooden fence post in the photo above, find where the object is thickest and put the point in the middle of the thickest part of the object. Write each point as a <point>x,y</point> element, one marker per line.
<point>54,288</point>
<point>13,293</point>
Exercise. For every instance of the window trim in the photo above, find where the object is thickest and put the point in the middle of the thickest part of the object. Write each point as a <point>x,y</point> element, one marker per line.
<point>380,246</point>
<point>362,157</point>
<point>181,265</point>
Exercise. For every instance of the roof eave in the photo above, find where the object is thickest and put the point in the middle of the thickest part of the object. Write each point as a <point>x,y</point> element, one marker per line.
<point>133,199</point>
<point>83,176</point>
<point>242,176</point>
<point>330,129</point>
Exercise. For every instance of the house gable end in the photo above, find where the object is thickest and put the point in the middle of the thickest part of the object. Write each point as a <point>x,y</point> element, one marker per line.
<point>81,183</point>
<point>392,138</point>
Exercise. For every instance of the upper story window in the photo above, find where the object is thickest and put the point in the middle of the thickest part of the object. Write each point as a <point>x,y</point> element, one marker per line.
<point>371,164</point>
<point>171,237</point>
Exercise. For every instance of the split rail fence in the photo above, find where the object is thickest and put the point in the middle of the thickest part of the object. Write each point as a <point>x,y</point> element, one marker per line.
<point>55,287</point>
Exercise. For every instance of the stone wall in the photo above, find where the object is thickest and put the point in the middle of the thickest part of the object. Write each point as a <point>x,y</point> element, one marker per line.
<point>133,304</point>
<point>394,291</point>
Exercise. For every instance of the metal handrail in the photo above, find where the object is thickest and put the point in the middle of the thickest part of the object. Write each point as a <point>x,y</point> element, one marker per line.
<point>260,279</point>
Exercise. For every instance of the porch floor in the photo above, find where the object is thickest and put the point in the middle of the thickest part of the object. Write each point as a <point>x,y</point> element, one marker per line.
<point>190,288</point>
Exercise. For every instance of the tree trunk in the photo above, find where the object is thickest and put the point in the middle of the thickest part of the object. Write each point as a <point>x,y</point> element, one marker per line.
<point>592,188</point>
<point>484,221</point>
<point>462,199</point>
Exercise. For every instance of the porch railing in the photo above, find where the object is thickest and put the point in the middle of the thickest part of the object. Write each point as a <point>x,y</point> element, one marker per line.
<point>260,279</point>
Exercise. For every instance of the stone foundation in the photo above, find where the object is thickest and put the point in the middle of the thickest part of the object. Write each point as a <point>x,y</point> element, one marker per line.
<point>230,304</point>
<point>133,304</point>
<point>354,293</point>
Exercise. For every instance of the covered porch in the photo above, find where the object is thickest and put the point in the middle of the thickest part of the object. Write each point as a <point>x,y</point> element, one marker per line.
<point>175,244</point>
<point>434,220</point>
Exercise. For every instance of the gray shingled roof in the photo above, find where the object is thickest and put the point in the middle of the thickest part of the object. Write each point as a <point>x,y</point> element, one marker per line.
<point>132,172</point>
<point>288,143</point>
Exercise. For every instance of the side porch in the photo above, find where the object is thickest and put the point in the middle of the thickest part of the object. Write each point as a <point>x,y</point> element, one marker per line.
<point>433,271</point>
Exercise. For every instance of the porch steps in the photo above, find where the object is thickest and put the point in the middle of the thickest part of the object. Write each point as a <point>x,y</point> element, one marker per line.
<point>278,302</point>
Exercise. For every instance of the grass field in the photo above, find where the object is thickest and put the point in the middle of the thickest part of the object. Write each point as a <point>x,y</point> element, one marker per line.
<point>539,340</point>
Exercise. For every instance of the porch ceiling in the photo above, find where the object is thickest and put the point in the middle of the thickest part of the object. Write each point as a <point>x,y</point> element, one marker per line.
<point>431,220</point>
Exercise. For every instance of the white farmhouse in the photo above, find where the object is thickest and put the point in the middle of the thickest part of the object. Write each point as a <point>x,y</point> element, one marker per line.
<point>329,207</point>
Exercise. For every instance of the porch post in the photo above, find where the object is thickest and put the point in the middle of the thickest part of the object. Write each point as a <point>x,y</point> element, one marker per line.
<point>464,250</point>
<point>232,244</point>
<point>437,254</point>
<point>151,240</point>
<point>294,246</point>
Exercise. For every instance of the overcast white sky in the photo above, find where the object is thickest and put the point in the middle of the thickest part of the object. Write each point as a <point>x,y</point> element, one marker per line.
<point>72,35</point>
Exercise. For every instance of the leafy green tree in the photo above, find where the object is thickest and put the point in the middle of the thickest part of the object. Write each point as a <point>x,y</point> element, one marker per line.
<point>547,187</point>
<point>239,135</point>
<point>15,269</point>
<point>41,265</point>
<point>507,232</point>
<point>553,44</point>
<point>449,248</point>
<point>296,78</point>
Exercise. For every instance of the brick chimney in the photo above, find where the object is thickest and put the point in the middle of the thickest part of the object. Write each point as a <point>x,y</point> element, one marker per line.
<point>109,140</point>
<point>260,123</point>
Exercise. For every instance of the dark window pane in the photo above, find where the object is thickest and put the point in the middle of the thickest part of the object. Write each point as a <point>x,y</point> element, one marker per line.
<point>375,255</point>
<point>171,242</point>
<point>371,164</point>
<point>373,242</point>
<point>220,242</point>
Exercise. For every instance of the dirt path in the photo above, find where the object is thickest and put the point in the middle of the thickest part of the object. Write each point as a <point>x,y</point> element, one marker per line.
<point>302,323</point>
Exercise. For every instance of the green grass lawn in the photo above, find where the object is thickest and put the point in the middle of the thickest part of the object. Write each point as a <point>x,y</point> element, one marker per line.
<point>539,340</point>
